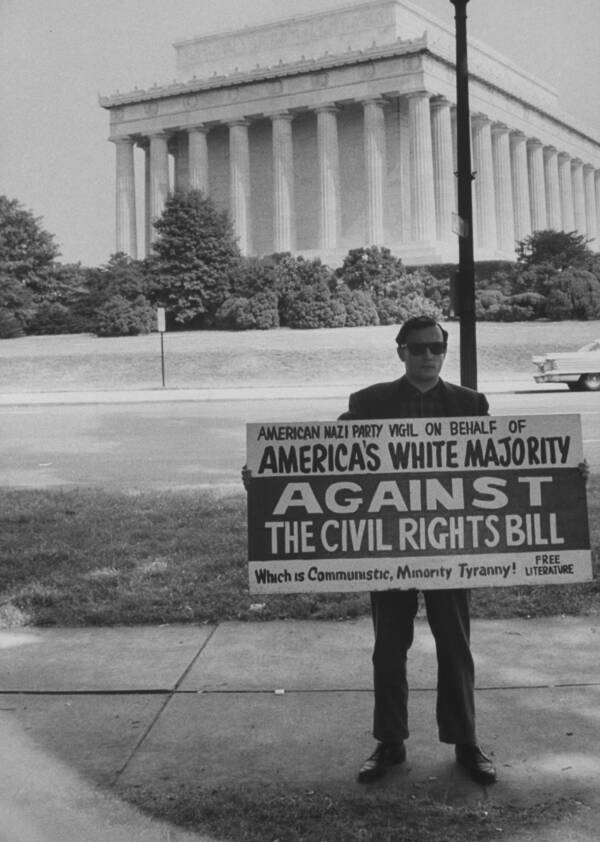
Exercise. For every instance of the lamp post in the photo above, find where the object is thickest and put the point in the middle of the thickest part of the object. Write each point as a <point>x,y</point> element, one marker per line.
<point>465,282</point>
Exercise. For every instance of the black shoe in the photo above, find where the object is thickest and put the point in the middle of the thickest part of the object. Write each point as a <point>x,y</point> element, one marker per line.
<point>479,767</point>
<point>384,756</point>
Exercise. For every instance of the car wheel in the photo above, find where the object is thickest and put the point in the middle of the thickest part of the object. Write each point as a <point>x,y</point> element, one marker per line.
<point>590,382</point>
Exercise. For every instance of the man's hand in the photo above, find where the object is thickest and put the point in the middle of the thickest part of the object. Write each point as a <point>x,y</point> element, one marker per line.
<point>246,476</point>
<point>584,470</point>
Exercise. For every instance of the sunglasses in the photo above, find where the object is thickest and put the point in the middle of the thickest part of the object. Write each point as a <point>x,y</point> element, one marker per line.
<point>418,349</point>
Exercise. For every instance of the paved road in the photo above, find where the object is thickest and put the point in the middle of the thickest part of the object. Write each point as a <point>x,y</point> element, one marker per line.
<point>191,444</point>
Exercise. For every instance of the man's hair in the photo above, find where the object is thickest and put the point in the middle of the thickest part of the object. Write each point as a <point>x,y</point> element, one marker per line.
<point>418,323</point>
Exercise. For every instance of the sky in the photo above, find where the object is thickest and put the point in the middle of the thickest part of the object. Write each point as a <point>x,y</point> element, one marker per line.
<point>58,56</point>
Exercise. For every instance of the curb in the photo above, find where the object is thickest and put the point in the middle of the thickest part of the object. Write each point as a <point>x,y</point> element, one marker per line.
<point>232,393</point>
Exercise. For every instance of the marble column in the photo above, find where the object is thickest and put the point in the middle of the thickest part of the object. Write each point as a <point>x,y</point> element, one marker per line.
<point>181,155</point>
<point>565,181</point>
<point>590,202</point>
<point>159,178</point>
<point>402,139</point>
<point>283,183</point>
<point>375,165</point>
<point>443,166</point>
<point>505,217</point>
<point>485,197</point>
<point>421,158</point>
<point>144,144</point>
<point>239,182</point>
<point>520,185</point>
<point>454,156</point>
<point>553,214</point>
<point>198,158</point>
<point>578,195</point>
<point>329,176</point>
<point>597,186</point>
<point>126,218</point>
<point>537,187</point>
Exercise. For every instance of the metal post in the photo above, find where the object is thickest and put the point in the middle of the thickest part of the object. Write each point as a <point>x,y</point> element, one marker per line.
<point>161,324</point>
<point>466,268</point>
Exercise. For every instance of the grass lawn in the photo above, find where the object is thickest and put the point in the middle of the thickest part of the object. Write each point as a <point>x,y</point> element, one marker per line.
<point>355,356</point>
<point>91,557</point>
<point>88,557</point>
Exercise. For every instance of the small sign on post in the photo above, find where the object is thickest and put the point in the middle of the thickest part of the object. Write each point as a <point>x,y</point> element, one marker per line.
<point>161,324</point>
<point>460,226</point>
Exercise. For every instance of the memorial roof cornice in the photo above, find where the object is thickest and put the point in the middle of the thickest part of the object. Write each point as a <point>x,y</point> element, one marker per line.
<point>400,47</point>
<point>326,62</point>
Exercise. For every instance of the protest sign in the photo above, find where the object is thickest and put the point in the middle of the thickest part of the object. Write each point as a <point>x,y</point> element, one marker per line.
<point>416,503</point>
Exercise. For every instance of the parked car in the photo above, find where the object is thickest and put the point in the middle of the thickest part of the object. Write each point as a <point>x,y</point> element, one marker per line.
<point>580,370</point>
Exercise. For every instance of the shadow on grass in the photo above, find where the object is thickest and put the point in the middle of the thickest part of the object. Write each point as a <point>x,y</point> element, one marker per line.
<point>256,814</point>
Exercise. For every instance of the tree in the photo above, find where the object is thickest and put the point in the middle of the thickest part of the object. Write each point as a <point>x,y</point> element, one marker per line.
<point>194,256</point>
<point>16,307</point>
<point>27,253</point>
<point>559,249</point>
<point>26,250</point>
<point>118,303</point>
<point>60,297</point>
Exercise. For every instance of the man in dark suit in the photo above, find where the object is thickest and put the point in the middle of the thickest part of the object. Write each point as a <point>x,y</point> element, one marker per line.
<point>420,393</point>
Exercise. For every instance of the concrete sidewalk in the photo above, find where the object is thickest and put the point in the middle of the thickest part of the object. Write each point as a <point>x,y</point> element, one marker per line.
<point>285,703</point>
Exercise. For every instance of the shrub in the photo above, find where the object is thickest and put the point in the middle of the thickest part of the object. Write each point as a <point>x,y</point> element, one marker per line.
<point>492,305</point>
<point>264,307</point>
<point>370,269</point>
<point>54,318</point>
<point>487,299</point>
<point>314,306</point>
<point>293,276</point>
<point>436,289</point>
<point>575,295</point>
<point>256,313</point>
<point>417,281</point>
<point>359,306</point>
<point>10,326</point>
<point>484,270</point>
<point>539,278</point>
<point>505,280</point>
<point>252,276</point>
<point>397,306</point>
<point>120,317</point>
<point>232,314</point>
<point>405,297</point>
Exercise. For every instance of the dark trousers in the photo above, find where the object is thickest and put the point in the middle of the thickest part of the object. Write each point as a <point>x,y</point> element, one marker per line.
<point>393,620</point>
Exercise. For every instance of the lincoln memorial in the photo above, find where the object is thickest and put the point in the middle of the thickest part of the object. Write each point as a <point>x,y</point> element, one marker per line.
<point>335,130</point>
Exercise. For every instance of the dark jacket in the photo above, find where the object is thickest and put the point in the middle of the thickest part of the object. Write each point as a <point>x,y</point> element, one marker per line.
<point>384,400</point>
